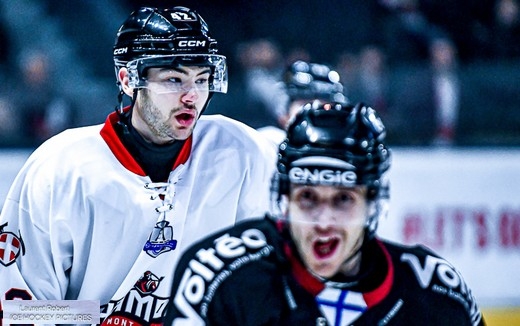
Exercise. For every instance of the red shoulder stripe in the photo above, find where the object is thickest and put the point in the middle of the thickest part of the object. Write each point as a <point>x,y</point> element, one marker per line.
<point>109,135</point>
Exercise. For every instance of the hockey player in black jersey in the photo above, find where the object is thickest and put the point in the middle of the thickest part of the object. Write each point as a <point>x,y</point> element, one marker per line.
<point>315,260</point>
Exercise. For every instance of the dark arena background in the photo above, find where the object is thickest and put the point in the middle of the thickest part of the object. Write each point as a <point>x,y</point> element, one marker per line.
<point>445,76</point>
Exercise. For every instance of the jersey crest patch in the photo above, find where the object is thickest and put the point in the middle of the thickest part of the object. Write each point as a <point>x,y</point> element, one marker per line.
<point>160,240</point>
<point>139,307</point>
<point>11,246</point>
<point>341,307</point>
<point>148,283</point>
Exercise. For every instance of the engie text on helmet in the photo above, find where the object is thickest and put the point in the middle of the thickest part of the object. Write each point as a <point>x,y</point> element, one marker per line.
<point>324,177</point>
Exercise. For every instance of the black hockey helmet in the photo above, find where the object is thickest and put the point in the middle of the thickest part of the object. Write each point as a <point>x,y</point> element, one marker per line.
<point>310,81</point>
<point>334,144</point>
<point>152,37</point>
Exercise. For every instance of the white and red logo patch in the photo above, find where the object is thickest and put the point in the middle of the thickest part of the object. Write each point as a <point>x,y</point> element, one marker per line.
<point>11,246</point>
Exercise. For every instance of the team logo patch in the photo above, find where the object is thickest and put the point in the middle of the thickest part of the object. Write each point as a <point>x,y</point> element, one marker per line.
<point>11,246</point>
<point>160,240</point>
<point>139,307</point>
<point>148,283</point>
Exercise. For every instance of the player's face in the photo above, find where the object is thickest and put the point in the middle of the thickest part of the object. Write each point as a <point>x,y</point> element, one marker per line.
<point>327,226</point>
<point>170,105</point>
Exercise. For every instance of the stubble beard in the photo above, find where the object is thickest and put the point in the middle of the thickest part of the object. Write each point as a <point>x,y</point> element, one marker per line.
<point>160,126</point>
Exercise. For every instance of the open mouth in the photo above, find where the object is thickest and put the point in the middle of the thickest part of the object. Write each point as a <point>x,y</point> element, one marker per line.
<point>325,247</point>
<point>185,119</point>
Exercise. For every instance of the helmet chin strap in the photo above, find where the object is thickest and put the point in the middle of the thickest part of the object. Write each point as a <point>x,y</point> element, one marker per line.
<point>120,107</point>
<point>134,98</point>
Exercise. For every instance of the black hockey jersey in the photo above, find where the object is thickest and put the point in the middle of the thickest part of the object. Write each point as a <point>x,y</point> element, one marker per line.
<point>247,275</point>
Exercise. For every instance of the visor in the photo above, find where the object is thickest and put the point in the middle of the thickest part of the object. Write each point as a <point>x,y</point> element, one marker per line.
<point>217,63</point>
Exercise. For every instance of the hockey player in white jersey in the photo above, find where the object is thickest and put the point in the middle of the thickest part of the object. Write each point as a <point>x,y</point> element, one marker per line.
<point>103,212</point>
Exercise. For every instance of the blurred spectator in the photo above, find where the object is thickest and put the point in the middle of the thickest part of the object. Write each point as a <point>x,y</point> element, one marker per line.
<point>10,135</point>
<point>505,32</point>
<point>347,66</point>
<point>371,83</point>
<point>464,21</point>
<point>428,98</point>
<point>446,90</point>
<point>43,111</point>
<point>372,77</point>
<point>407,31</point>
<point>366,78</point>
<point>262,64</point>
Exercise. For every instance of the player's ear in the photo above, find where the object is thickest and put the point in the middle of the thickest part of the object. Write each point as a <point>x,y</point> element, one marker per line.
<point>122,75</point>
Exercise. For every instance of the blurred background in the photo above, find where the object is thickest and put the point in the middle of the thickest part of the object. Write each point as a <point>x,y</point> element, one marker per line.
<point>452,65</point>
<point>444,75</point>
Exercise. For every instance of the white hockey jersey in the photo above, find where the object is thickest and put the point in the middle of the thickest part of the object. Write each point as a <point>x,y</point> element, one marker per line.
<point>82,221</point>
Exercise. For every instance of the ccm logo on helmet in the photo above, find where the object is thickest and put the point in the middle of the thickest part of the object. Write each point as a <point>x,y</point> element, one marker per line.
<point>324,177</point>
<point>191,43</point>
<point>120,50</point>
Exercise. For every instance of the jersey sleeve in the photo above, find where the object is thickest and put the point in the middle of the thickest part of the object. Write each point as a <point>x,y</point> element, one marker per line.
<point>32,266</point>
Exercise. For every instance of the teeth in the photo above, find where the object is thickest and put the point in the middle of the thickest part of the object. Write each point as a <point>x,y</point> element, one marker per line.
<point>325,251</point>
<point>324,239</point>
